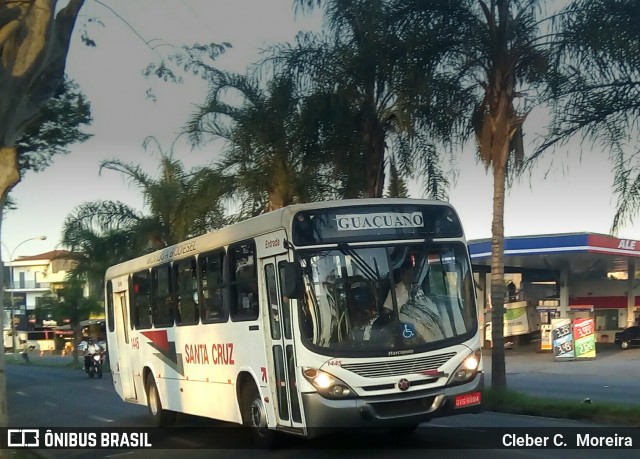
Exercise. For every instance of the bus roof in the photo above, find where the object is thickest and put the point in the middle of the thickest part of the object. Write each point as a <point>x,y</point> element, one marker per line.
<point>254,226</point>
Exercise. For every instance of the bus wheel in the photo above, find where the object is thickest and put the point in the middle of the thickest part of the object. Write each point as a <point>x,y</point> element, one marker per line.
<point>159,416</point>
<point>254,417</point>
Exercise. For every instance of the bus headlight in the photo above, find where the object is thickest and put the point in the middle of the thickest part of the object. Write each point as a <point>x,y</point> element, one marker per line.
<point>468,369</point>
<point>326,384</point>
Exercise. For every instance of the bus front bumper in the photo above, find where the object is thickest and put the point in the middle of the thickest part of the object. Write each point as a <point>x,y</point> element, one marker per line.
<point>401,409</point>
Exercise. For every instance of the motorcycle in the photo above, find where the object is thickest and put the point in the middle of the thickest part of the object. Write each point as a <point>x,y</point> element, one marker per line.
<point>93,364</point>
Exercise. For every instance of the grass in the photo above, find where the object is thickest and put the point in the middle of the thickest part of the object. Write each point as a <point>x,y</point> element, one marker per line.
<point>519,403</point>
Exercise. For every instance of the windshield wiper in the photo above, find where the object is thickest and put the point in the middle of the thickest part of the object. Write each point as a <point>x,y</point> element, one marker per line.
<point>367,270</point>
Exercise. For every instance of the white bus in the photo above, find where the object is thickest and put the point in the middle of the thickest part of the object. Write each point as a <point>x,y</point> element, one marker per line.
<point>294,320</point>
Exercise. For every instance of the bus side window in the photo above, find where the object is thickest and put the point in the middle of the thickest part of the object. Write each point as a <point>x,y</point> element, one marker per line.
<point>162,299</point>
<point>141,300</point>
<point>244,282</point>
<point>213,287</point>
<point>110,313</point>
<point>186,292</point>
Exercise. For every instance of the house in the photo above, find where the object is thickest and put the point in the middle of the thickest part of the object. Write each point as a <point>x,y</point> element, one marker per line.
<point>29,278</point>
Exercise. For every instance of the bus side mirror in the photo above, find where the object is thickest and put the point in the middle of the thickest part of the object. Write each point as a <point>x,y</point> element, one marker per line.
<point>292,283</point>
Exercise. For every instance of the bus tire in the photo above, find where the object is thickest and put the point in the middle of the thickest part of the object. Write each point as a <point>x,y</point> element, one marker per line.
<point>254,417</point>
<point>160,417</point>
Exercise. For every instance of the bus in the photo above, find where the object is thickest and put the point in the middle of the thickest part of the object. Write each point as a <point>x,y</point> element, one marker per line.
<point>291,321</point>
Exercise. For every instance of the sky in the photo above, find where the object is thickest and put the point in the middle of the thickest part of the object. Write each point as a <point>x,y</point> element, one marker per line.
<point>574,195</point>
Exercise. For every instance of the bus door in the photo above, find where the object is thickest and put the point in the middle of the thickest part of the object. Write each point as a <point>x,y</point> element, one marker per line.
<point>121,313</point>
<point>282,375</point>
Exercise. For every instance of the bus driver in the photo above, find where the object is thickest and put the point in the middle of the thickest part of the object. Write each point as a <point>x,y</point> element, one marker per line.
<point>418,313</point>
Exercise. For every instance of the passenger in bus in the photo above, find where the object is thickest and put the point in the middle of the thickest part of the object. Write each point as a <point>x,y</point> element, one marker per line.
<point>363,313</point>
<point>416,309</point>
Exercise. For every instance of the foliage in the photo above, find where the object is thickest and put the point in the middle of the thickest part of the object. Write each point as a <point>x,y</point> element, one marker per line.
<point>182,204</point>
<point>367,84</point>
<point>97,246</point>
<point>397,187</point>
<point>196,59</point>
<point>34,41</point>
<point>496,68</point>
<point>598,92</point>
<point>69,303</point>
<point>58,124</point>
<point>271,158</point>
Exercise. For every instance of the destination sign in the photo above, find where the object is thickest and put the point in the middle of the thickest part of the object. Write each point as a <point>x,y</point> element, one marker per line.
<point>352,222</point>
<point>372,223</point>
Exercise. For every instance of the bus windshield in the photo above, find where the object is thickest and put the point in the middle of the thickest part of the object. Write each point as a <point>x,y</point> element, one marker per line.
<point>386,300</point>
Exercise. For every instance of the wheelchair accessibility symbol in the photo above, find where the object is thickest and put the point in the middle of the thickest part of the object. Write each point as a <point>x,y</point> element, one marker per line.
<point>408,331</point>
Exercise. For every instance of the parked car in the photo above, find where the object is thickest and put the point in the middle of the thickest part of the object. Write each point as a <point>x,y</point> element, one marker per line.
<point>628,337</point>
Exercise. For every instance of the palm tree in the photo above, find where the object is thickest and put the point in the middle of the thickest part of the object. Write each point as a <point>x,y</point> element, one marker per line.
<point>498,63</point>
<point>599,93</point>
<point>271,158</point>
<point>181,204</point>
<point>363,80</point>
<point>100,242</point>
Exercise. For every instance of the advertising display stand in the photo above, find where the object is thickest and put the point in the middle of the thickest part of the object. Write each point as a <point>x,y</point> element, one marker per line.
<point>573,339</point>
<point>562,337</point>
<point>584,338</point>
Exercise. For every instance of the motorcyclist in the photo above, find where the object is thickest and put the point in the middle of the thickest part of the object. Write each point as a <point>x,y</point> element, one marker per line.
<point>91,349</point>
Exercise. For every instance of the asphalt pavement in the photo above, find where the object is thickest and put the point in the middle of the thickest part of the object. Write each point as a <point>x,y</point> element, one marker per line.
<point>609,360</point>
<point>45,359</point>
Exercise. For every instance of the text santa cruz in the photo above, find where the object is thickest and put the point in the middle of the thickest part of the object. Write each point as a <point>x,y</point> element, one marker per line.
<point>198,354</point>
<point>383,220</point>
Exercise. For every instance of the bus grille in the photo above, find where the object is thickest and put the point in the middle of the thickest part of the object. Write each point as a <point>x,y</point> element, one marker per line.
<point>398,367</point>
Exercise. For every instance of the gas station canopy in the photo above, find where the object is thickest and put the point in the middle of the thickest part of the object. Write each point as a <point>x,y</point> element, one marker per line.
<point>577,252</point>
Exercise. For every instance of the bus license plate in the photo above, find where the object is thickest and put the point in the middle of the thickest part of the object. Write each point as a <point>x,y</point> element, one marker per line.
<point>471,399</point>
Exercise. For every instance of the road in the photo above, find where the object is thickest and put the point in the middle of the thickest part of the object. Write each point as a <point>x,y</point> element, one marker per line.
<point>610,378</point>
<point>60,397</point>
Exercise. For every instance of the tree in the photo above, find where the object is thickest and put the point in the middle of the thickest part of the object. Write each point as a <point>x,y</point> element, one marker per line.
<point>397,187</point>
<point>271,156</point>
<point>71,304</point>
<point>181,204</point>
<point>364,79</point>
<point>598,95</point>
<point>98,243</point>
<point>57,125</point>
<point>34,41</point>
<point>499,64</point>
